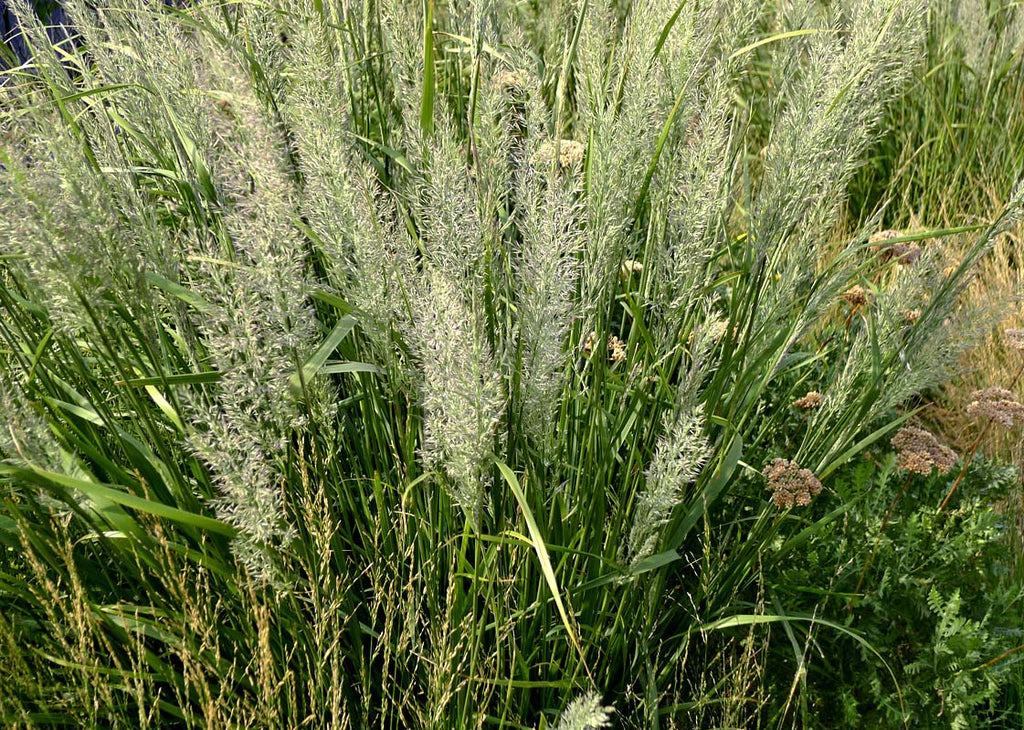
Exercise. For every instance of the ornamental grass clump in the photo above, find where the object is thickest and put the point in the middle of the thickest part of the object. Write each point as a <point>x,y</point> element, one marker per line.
<point>585,713</point>
<point>400,364</point>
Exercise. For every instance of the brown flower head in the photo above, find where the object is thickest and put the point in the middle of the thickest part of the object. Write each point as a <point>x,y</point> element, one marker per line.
<point>857,296</point>
<point>809,401</point>
<point>911,315</point>
<point>919,451</point>
<point>1014,339</point>
<point>630,267</point>
<point>905,252</point>
<point>510,82</point>
<point>883,236</point>
<point>790,485</point>
<point>999,404</point>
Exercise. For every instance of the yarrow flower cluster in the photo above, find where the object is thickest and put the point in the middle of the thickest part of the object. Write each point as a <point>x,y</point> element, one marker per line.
<point>570,154</point>
<point>790,484</point>
<point>588,344</point>
<point>811,400</point>
<point>918,451</point>
<point>999,404</point>
<point>510,82</point>
<point>1014,339</point>
<point>630,267</point>
<point>616,349</point>
<point>904,253</point>
<point>857,296</point>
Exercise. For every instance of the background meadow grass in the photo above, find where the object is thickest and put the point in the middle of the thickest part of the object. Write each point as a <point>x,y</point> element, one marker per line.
<point>391,364</point>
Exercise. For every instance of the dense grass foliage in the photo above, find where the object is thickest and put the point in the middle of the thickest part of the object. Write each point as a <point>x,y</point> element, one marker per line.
<point>452,365</point>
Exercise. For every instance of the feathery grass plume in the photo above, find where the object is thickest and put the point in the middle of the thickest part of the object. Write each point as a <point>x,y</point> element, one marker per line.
<point>251,497</point>
<point>832,110</point>
<point>25,437</point>
<point>461,389</point>
<point>623,103</point>
<point>401,31</point>
<point>678,460</point>
<point>693,198</point>
<point>1013,33</point>
<point>796,14</point>
<point>585,713</point>
<point>452,231</point>
<point>136,52</point>
<point>252,273</point>
<point>60,220</point>
<point>976,39</point>
<point>352,220</point>
<point>629,95</point>
<point>546,273</point>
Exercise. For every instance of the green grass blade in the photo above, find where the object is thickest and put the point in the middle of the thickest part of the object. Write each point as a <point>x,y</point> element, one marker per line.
<point>427,103</point>
<point>111,494</point>
<point>542,553</point>
<point>316,362</point>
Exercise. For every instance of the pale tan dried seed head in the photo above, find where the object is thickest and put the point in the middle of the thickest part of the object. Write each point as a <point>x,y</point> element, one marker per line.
<point>510,82</point>
<point>857,296</point>
<point>570,154</point>
<point>998,404</point>
<point>616,349</point>
<point>1014,339</point>
<point>905,252</point>
<point>629,266</point>
<point>811,400</point>
<point>882,236</point>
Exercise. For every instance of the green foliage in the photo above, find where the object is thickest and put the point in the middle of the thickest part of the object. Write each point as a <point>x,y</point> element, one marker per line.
<point>935,603</point>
